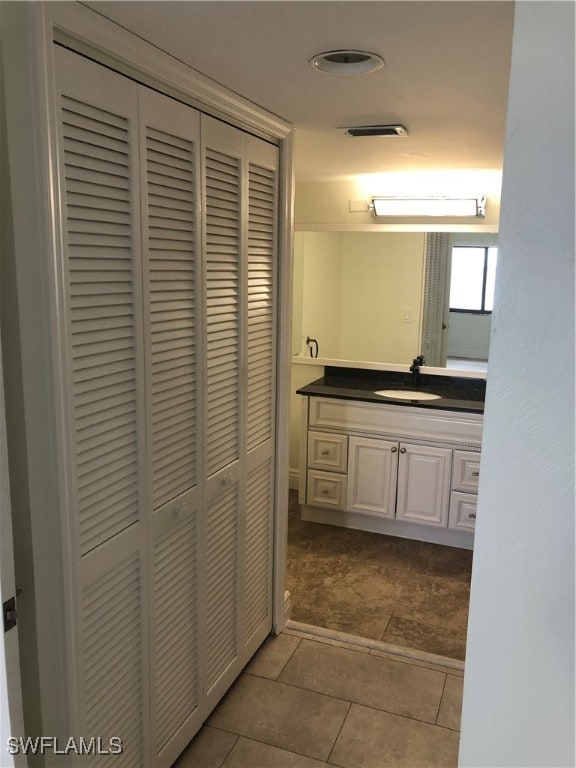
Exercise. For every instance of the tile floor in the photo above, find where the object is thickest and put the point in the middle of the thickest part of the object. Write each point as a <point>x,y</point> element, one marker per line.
<point>308,702</point>
<point>403,592</point>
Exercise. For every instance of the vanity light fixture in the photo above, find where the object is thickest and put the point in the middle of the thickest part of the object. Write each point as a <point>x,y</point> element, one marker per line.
<point>347,62</point>
<point>429,206</point>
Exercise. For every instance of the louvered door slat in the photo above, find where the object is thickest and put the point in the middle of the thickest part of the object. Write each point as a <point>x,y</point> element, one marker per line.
<point>260,306</point>
<point>257,589</point>
<point>222,234</point>
<point>176,672</point>
<point>91,283</point>
<point>171,249</point>
<point>221,583</point>
<point>112,637</point>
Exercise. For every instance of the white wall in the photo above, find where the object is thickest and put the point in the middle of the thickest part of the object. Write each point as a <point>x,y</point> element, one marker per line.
<point>321,255</point>
<point>352,290</point>
<point>519,680</point>
<point>325,205</point>
<point>381,280</point>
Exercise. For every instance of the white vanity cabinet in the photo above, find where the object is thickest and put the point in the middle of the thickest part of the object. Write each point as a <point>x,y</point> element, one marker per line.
<point>403,470</point>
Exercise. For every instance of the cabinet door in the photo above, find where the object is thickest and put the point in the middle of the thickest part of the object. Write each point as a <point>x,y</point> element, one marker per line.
<point>424,485</point>
<point>372,470</point>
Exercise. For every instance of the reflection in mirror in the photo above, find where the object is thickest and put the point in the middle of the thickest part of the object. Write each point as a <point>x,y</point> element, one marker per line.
<point>383,297</point>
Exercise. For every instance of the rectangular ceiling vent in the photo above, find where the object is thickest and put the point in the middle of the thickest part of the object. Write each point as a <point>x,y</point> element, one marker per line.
<point>376,130</point>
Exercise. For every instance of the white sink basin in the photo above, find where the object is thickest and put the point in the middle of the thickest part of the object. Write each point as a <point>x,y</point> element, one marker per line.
<point>402,394</point>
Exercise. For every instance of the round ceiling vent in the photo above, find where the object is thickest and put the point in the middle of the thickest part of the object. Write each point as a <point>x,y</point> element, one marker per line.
<point>347,62</point>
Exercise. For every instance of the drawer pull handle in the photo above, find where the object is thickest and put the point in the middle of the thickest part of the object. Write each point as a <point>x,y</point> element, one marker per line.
<point>393,450</point>
<point>402,450</point>
<point>472,516</point>
<point>325,492</point>
<point>325,453</point>
<point>475,474</point>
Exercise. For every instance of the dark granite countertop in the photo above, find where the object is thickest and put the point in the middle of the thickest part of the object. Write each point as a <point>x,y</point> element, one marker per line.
<point>457,393</point>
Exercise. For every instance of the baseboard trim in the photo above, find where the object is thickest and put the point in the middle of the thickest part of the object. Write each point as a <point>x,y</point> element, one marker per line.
<point>403,654</point>
<point>294,479</point>
<point>285,618</point>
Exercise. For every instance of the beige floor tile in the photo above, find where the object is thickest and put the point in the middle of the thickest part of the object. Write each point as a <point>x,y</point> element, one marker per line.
<point>272,656</point>
<point>439,560</point>
<point>254,754</point>
<point>339,596</point>
<point>366,679</point>
<point>281,715</point>
<point>431,638</point>
<point>361,620</point>
<point>451,704</point>
<point>374,739</point>
<point>434,600</point>
<point>208,750</point>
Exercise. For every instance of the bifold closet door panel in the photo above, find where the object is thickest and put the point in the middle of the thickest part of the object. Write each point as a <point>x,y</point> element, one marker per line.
<point>169,135</point>
<point>260,344</point>
<point>240,252</point>
<point>222,158</point>
<point>102,403</point>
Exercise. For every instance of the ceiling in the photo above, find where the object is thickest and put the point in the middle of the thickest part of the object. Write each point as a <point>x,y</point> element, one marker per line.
<point>445,76</point>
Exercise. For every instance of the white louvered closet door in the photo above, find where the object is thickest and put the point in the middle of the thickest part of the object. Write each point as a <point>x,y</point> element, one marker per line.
<point>102,381</point>
<point>239,264</point>
<point>169,134</point>
<point>167,335</point>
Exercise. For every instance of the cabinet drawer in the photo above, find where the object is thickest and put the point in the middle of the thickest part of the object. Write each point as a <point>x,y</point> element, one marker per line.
<point>465,471</point>
<point>462,516</point>
<point>326,489</point>
<point>326,451</point>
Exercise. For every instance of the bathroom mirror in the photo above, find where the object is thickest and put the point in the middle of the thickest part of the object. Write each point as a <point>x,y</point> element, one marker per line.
<point>372,297</point>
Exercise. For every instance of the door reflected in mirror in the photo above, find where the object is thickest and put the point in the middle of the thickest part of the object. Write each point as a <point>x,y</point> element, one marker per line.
<point>384,297</point>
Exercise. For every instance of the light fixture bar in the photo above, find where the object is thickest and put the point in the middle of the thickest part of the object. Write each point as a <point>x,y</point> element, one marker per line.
<point>429,206</point>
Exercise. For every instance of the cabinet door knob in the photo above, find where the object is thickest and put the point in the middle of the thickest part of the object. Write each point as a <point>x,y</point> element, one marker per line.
<point>325,453</point>
<point>402,450</point>
<point>472,516</point>
<point>393,450</point>
<point>325,492</point>
<point>475,474</point>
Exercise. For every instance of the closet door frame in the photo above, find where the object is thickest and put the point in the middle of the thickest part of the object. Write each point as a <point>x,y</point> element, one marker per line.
<point>28,33</point>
